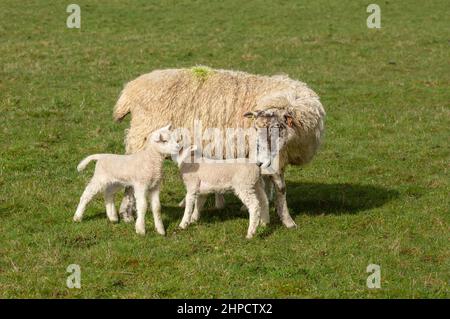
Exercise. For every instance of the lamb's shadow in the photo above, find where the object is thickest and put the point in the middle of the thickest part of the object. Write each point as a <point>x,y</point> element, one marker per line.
<point>303,198</point>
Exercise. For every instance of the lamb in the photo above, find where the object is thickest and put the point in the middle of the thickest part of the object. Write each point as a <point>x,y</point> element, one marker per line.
<point>218,98</point>
<point>142,171</point>
<point>244,179</point>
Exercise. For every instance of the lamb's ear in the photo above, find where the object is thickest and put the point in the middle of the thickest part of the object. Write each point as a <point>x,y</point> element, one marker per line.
<point>168,126</point>
<point>155,136</point>
<point>251,115</point>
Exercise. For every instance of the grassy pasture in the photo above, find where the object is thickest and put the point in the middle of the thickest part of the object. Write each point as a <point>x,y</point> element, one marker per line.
<point>377,192</point>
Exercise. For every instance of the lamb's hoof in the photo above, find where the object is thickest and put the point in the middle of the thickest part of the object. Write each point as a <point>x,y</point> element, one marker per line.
<point>249,236</point>
<point>77,219</point>
<point>162,232</point>
<point>194,219</point>
<point>182,203</point>
<point>183,225</point>
<point>140,231</point>
<point>263,223</point>
<point>114,220</point>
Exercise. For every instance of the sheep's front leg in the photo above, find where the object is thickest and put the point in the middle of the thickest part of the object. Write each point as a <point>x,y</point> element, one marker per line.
<point>127,206</point>
<point>141,206</point>
<point>156,210</point>
<point>190,201</point>
<point>280,200</point>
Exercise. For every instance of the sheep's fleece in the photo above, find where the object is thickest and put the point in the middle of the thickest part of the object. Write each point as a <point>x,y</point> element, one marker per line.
<point>219,98</point>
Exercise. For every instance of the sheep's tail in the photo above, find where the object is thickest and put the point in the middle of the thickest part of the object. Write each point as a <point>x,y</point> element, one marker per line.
<point>86,161</point>
<point>185,153</point>
<point>122,108</point>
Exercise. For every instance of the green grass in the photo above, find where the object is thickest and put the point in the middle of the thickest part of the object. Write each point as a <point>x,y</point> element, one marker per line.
<point>377,192</point>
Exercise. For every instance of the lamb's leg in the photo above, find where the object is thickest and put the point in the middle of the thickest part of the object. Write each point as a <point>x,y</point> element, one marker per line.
<point>140,193</point>
<point>111,212</point>
<point>128,205</point>
<point>89,192</point>
<point>219,201</point>
<point>249,198</point>
<point>199,202</point>
<point>264,203</point>
<point>190,201</point>
<point>280,201</point>
<point>156,210</point>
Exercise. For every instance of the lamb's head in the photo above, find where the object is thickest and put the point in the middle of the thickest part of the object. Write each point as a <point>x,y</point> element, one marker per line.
<point>164,141</point>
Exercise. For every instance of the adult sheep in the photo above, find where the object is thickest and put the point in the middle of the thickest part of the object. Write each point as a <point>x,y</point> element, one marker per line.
<point>219,99</point>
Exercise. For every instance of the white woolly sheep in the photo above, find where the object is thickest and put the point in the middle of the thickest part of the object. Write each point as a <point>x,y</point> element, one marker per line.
<point>219,98</point>
<point>141,170</point>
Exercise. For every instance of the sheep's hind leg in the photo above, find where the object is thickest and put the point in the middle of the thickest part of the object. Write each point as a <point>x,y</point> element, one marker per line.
<point>128,205</point>
<point>219,201</point>
<point>89,192</point>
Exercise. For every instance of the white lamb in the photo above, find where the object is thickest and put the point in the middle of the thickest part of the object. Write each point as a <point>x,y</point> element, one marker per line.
<point>141,170</point>
<point>244,179</point>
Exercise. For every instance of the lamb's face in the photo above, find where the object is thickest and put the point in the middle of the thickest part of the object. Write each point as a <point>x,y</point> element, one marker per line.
<point>165,141</point>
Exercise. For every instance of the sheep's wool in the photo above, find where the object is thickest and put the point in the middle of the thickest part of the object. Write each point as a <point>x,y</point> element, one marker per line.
<point>218,98</point>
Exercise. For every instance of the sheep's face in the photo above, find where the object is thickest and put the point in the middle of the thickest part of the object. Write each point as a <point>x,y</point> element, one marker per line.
<point>164,141</point>
<point>275,128</point>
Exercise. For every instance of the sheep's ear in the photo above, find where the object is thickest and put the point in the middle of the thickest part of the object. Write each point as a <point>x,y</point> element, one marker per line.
<point>289,119</point>
<point>250,115</point>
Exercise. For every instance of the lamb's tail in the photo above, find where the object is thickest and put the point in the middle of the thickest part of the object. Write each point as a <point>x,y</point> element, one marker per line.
<point>86,161</point>
<point>185,153</point>
<point>122,108</point>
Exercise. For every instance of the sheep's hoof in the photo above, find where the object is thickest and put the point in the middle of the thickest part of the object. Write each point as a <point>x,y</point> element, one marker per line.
<point>290,224</point>
<point>77,219</point>
<point>127,218</point>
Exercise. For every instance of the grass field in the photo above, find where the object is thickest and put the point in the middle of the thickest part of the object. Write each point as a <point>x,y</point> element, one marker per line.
<point>377,192</point>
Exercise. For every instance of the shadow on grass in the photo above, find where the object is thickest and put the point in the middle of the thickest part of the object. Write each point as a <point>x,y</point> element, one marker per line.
<point>302,198</point>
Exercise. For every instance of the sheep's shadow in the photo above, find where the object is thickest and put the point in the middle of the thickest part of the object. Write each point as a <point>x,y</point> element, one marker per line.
<point>302,198</point>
